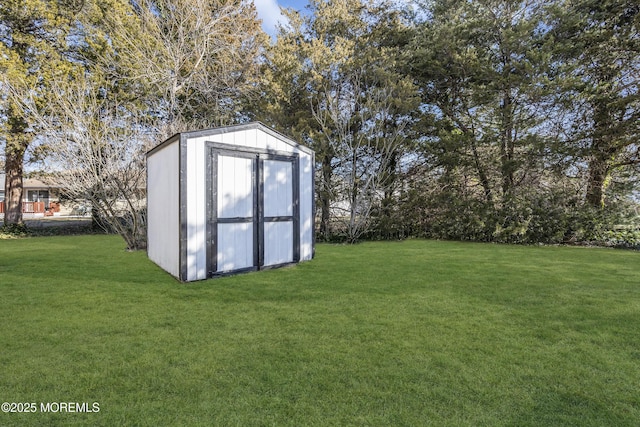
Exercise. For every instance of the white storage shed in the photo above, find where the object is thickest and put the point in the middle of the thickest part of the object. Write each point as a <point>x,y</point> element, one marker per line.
<point>227,200</point>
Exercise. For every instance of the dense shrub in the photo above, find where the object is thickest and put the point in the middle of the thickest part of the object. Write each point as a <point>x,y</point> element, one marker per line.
<point>9,231</point>
<point>620,238</point>
<point>528,218</point>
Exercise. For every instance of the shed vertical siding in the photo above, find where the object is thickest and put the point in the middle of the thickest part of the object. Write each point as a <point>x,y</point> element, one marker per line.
<point>163,198</point>
<point>251,138</point>
<point>306,206</point>
<point>196,211</point>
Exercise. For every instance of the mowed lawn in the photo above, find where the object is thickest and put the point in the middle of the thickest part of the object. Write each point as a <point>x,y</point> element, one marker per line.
<point>412,333</point>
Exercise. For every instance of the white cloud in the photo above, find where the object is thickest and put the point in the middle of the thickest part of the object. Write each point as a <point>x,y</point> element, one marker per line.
<point>269,12</point>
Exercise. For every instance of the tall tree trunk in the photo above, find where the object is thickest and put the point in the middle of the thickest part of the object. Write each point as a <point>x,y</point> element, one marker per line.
<point>18,137</point>
<point>482,174</point>
<point>352,231</point>
<point>98,154</point>
<point>389,186</point>
<point>507,146</point>
<point>598,172</point>
<point>602,150</point>
<point>325,198</point>
<point>13,190</point>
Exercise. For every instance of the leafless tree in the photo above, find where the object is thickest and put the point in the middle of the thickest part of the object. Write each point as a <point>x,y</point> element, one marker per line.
<point>96,154</point>
<point>361,123</point>
<point>198,57</point>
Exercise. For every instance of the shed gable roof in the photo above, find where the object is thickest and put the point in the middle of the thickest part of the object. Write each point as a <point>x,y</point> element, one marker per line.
<point>231,129</point>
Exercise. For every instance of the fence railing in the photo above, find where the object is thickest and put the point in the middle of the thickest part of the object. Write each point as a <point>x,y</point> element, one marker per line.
<point>27,207</point>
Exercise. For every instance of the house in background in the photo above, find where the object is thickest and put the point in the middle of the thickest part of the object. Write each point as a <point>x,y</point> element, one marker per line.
<point>39,198</point>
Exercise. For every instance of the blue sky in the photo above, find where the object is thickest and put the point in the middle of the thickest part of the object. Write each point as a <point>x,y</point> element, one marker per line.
<point>269,11</point>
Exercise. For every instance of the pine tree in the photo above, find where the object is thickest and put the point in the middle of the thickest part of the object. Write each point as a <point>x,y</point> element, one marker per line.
<point>597,54</point>
<point>482,70</point>
<point>336,80</point>
<point>33,50</point>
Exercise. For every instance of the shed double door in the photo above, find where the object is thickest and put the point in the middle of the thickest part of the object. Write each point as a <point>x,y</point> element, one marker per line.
<point>254,212</point>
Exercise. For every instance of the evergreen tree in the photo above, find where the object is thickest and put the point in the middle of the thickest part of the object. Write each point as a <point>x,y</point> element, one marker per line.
<point>597,56</point>
<point>335,78</point>
<point>34,49</point>
<point>483,76</point>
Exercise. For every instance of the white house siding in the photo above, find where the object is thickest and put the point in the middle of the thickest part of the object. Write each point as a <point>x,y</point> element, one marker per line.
<point>163,223</point>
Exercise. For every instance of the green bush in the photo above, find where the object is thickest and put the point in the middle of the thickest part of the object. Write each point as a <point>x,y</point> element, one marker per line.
<point>9,231</point>
<point>621,238</point>
<point>530,217</point>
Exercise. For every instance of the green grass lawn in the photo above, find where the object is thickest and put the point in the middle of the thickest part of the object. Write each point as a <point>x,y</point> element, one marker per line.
<point>413,333</point>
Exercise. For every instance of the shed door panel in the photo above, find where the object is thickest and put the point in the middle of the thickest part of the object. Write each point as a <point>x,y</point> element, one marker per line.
<point>235,246</point>
<point>253,212</point>
<point>278,211</point>
<point>235,219</point>
<point>235,187</point>
<point>278,188</point>
<point>278,243</point>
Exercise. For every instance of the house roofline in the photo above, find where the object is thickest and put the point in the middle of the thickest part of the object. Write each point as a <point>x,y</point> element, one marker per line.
<point>28,183</point>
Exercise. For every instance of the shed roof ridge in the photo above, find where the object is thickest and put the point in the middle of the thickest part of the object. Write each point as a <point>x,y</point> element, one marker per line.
<point>233,128</point>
